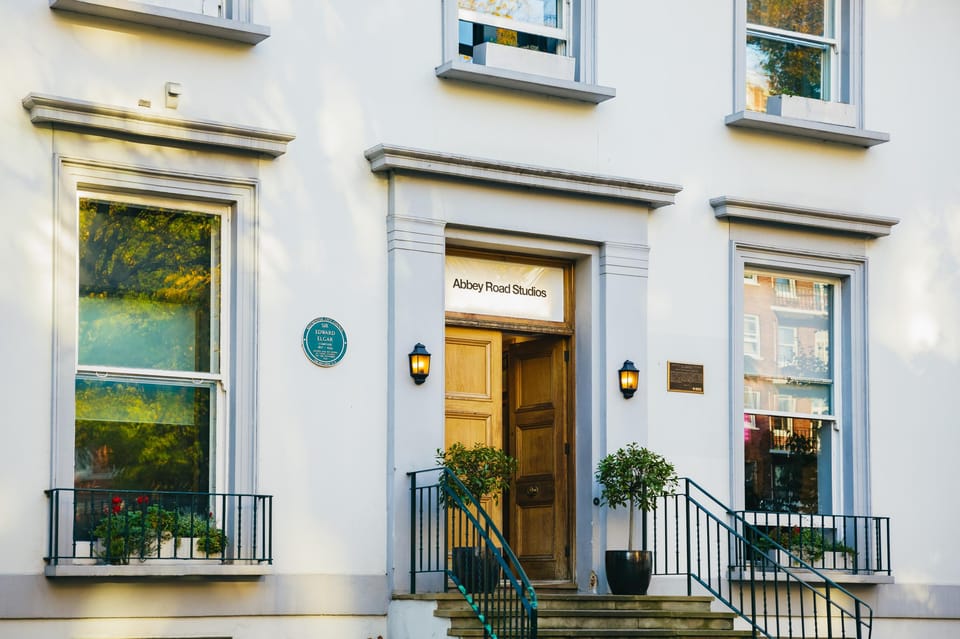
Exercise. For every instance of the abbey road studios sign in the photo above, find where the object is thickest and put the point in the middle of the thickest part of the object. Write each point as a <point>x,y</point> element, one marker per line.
<point>324,341</point>
<point>507,289</point>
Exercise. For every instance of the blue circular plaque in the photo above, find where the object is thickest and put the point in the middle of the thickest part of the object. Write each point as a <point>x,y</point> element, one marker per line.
<point>324,341</point>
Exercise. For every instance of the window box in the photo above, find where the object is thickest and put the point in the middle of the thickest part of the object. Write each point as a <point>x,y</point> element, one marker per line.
<point>550,65</point>
<point>794,106</point>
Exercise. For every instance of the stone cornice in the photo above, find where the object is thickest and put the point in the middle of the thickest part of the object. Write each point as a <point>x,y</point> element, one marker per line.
<point>386,158</point>
<point>110,120</point>
<point>870,226</point>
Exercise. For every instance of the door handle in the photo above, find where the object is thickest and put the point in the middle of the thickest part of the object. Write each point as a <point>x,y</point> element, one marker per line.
<point>533,490</point>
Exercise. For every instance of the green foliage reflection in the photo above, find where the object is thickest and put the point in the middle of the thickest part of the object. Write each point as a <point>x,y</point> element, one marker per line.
<point>142,436</point>
<point>147,287</point>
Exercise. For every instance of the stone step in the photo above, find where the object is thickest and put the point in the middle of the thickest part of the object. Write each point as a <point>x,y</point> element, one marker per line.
<point>558,633</point>
<point>625,602</point>
<point>611,619</point>
<point>586,616</point>
<point>600,602</point>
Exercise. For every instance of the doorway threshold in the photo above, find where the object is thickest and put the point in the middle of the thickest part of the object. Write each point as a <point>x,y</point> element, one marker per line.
<point>554,586</point>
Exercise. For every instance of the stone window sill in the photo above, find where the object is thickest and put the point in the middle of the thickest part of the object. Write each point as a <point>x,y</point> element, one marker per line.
<point>162,17</point>
<point>149,570</point>
<point>531,83</point>
<point>807,129</point>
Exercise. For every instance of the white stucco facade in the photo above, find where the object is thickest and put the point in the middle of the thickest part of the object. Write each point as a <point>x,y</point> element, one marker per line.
<point>350,169</point>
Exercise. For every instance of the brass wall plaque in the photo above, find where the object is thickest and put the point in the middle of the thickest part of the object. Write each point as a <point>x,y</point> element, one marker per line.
<point>685,378</point>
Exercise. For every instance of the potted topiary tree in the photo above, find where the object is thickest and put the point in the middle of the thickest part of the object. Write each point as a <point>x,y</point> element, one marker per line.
<point>634,477</point>
<point>485,471</point>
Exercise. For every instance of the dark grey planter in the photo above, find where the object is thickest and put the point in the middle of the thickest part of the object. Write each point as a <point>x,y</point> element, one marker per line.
<point>629,571</point>
<point>478,571</point>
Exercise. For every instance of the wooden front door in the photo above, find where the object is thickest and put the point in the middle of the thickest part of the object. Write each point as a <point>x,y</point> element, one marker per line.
<point>474,385</point>
<point>537,412</point>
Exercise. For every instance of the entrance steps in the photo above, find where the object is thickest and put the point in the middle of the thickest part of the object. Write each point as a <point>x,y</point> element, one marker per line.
<point>588,616</point>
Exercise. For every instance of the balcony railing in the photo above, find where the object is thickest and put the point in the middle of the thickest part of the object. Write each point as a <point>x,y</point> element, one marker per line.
<point>90,526</point>
<point>856,544</point>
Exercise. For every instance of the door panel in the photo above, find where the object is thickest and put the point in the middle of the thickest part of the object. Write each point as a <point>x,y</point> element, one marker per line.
<point>539,516</point>
<point>474,381</point>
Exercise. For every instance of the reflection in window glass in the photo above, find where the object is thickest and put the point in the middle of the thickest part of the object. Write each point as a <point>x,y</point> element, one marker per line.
<point>142,435</point>
<point>787,382</point>
<point>537,25</point>
<point>539,12</point>
<point>148,304</point>
<point>148,291</point>
<point>751,335</point>
<point>775,67</point>
<point>782,457</point>
<point>811,17</point>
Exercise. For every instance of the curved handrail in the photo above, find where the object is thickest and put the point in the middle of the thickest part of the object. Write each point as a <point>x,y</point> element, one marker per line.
<point>475,567</point>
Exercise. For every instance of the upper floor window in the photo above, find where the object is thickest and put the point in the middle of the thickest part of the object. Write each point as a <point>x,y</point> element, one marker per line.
<point>528,45</point>
<point>798,69</point>
<point>792,49</point>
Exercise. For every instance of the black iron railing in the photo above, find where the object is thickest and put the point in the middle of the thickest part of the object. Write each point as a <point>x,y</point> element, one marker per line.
<point>851,543</point>
<point>778,593</point>
<point>102,526</point>
<point>453,538</point>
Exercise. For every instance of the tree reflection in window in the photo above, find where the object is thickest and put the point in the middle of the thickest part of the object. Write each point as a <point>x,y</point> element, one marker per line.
<point>786,51</point>
<point>149,315</point>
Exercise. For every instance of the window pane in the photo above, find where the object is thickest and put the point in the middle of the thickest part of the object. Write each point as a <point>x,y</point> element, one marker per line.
<point>782,68</point>
<point>149,294</point>
<point>472,34</point>
<point>797,367</point>
<point>811,17</point>
<point>783,465</point>
<point>142,435</point>
<point>540,12</point>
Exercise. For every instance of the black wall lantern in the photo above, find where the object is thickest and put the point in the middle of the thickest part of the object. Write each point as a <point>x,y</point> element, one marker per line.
<point>419,363</point>
<point>629,379</point>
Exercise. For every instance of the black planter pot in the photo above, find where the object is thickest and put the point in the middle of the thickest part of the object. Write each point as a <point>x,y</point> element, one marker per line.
<point>629,571</point>
<point>476,569</point>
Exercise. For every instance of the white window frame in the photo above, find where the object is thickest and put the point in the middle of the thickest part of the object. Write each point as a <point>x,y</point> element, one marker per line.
<point>850,414</point>
<point>235,456</point>
<point>581,35</point>
<point>235,24</point>
<point>846,85</point>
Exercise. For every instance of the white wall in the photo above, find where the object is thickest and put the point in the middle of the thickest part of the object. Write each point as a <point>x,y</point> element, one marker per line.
<point>344,76</point>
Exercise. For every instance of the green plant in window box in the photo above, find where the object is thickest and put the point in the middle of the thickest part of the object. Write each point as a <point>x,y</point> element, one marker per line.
<point>206,537</point>
<point>212,542</point>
